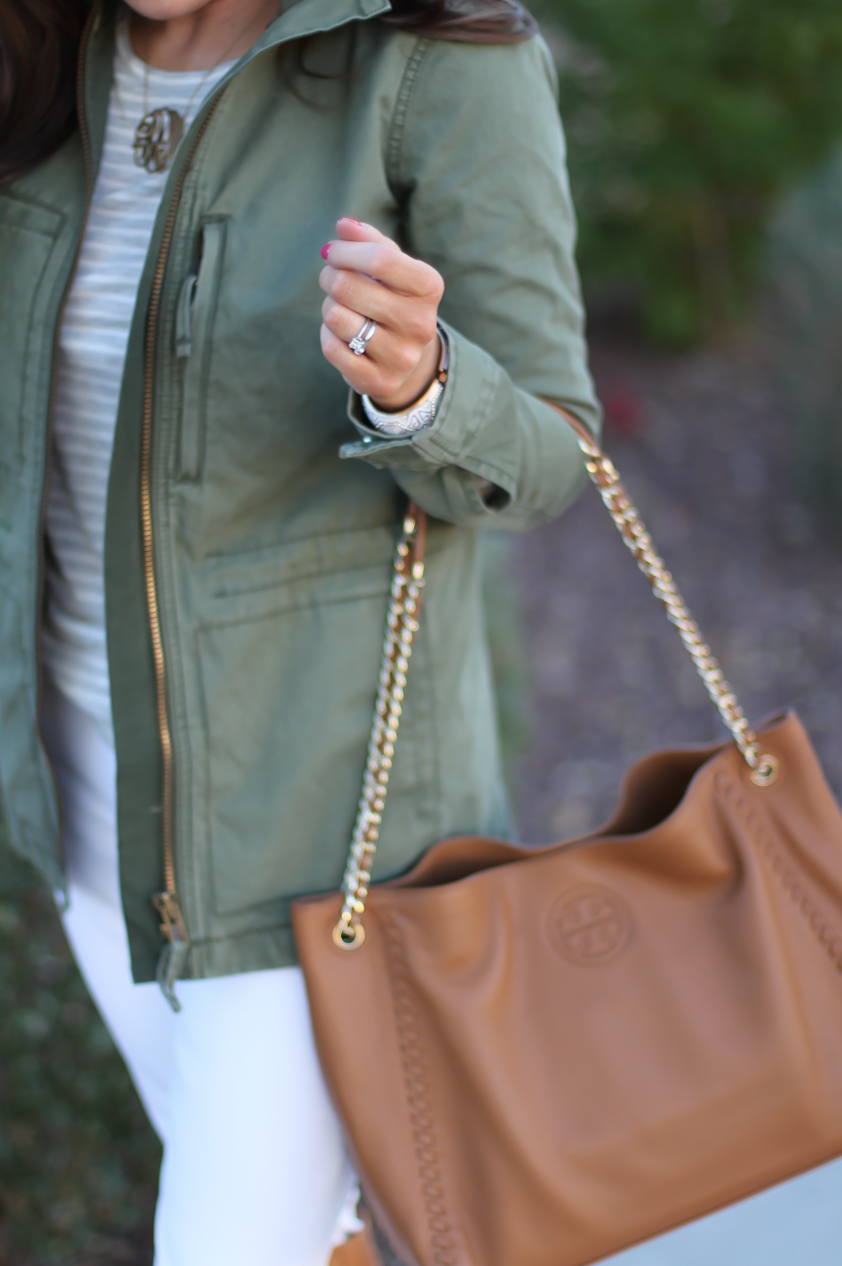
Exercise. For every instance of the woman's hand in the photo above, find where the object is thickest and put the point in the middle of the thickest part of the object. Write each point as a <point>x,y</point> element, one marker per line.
<point>368,276</point>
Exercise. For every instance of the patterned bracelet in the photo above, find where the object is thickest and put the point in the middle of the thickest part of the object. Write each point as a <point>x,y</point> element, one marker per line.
<point>419,414</point>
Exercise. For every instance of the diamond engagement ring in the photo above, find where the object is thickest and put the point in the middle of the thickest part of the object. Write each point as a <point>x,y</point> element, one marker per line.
<point>362,340</point>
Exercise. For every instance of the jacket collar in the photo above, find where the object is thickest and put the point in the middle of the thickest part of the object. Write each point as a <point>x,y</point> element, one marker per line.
<point>308,17</point>
<point>296,19</point>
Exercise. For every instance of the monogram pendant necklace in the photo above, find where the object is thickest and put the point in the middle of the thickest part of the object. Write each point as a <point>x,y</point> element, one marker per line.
<point>159,132</point>
<point>157,136</point>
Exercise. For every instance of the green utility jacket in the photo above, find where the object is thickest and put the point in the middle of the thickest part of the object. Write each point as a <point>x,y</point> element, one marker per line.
<point>251,515</point>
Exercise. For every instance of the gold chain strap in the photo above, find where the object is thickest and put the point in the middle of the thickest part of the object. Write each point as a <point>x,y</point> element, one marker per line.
<point>401,627</point>
<point>764,769</point>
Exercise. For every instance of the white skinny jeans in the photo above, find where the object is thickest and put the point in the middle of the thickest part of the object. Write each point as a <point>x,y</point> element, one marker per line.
<point>255,1171</point>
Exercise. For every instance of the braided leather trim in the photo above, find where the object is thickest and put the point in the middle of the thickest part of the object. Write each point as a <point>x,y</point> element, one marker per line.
<point>827,936</point>
<point>418,1102</point>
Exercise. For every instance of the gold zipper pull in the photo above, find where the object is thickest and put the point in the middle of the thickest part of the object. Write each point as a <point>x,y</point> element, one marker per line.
<point>172,921</point>
<point>174,954</point>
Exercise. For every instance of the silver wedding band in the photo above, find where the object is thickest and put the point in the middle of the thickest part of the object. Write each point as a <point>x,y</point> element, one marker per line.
<point>362,340</point>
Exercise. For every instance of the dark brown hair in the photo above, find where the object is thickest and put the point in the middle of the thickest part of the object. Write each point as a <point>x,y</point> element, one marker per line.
<point>39,41</point>
<point>471,21</point>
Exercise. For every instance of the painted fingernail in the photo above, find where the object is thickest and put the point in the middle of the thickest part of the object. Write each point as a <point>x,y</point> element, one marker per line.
<point>325,250</point>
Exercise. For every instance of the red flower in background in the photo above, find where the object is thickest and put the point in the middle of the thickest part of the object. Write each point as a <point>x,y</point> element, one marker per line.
<point>623,411</point>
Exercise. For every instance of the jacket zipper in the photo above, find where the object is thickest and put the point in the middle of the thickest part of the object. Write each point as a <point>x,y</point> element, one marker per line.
<point>166,903</point>
<point>51,407</point>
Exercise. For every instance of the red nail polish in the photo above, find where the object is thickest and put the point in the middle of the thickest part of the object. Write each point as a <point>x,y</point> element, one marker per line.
<point>325,250</point>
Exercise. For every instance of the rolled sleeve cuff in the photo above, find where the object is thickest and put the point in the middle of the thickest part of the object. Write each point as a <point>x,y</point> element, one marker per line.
<point>459,433</point>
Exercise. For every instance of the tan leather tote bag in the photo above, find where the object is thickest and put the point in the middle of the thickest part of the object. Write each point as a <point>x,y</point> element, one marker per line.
<point>542,1056</point>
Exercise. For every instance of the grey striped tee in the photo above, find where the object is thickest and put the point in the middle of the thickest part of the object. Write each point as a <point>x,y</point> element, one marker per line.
<point>91,354</point>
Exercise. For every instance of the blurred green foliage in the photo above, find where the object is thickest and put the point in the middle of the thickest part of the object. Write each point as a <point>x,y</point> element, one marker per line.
<point>686,120</point>
<point>78,1160</point>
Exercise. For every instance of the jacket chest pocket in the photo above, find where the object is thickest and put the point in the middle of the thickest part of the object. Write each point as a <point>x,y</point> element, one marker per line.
<point>195,314</point>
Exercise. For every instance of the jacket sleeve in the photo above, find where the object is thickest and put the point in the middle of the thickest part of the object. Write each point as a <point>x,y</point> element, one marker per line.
<point>477,163</point>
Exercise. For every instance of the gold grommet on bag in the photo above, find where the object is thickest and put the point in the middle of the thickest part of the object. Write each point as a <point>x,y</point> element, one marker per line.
<point>348,936</point>
<point>766,771</point>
